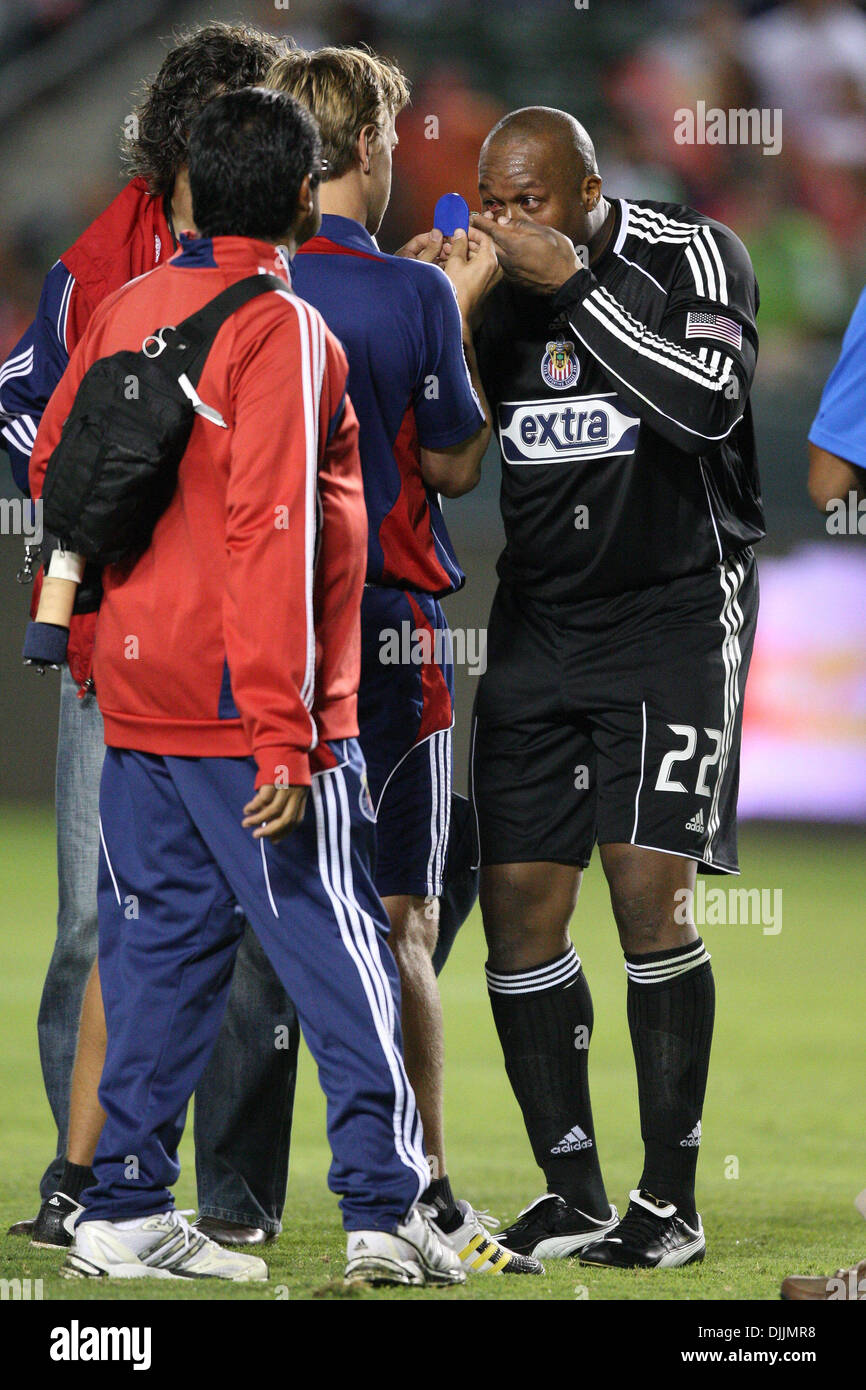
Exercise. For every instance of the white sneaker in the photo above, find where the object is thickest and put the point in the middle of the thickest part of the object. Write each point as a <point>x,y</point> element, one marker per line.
<point>479,1252</point>
<point>415,1253</point>
<point>159,1247</point>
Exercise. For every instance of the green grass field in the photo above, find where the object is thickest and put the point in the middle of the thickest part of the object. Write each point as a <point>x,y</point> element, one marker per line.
<point>785,1109</point>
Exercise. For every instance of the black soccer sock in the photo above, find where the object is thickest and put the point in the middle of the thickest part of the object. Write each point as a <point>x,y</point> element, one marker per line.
<point>544,1020</point>
<point>671,1007</point>
<point>439,1195</point>
<point>74,1179</point>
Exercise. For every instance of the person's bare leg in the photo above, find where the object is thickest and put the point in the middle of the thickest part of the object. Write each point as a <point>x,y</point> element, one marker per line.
<point>86,1115</point>
<point>646,894</point>
<point>414,931</point>
<point>54,1224</point>
<point>526,910</point>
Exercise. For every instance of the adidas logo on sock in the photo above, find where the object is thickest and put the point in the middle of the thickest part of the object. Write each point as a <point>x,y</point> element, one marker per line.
<point>697,822</point>
<point>692,1141</point>
<point>572,1142</point>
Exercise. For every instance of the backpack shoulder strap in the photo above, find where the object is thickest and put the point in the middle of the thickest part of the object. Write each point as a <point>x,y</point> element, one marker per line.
<point>193,338</point>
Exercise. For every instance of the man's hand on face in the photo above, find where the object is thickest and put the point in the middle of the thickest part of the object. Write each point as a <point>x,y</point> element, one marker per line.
<point>532,255</point>
<point>274,811</point>
<point>472,266</point>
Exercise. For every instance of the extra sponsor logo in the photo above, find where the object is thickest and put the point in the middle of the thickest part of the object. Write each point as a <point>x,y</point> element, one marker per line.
<point>582,427</point>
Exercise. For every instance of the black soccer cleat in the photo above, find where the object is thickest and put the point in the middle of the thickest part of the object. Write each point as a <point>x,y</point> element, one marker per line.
<point>54,1227</point>
<point>549,1228</point>
<point>22,1228</point>
<point>650,1236</point>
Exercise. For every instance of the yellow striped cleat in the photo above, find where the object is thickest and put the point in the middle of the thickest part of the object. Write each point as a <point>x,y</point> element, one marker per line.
<point>479,1252</point>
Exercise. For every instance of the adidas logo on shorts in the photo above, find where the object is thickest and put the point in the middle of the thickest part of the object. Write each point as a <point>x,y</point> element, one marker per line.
<point>573,1141</point>
<point>697,822</point>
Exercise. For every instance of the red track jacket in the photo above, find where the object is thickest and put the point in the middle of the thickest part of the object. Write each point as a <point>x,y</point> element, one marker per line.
<point>238,630</point>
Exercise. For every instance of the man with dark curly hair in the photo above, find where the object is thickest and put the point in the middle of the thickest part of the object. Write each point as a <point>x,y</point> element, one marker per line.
<point>240,1195</point>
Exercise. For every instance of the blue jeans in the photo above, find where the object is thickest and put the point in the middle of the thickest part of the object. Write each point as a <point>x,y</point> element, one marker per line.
<point>243,1105</point>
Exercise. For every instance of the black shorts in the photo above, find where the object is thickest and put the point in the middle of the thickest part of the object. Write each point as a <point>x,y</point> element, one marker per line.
<point>615,721</point>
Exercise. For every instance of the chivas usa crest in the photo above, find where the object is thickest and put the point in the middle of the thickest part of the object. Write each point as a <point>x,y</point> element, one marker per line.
<point>559,366</point>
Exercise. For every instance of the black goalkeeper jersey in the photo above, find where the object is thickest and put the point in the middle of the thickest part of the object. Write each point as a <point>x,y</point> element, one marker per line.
<point>622,409</point>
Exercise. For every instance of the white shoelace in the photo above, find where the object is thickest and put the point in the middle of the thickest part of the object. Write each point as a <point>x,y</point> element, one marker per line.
<point>492,1223</point>
<point>432,1240</point>
<point>177,1221</point>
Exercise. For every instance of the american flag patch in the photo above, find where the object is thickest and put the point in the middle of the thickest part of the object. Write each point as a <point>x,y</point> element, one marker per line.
<point>714,326</point>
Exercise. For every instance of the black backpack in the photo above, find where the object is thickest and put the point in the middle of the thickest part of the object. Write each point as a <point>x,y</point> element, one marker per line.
<point>114,471</point>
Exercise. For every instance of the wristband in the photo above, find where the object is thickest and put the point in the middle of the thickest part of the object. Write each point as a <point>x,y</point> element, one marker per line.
<point>65,564</point>
<point>45,645</point>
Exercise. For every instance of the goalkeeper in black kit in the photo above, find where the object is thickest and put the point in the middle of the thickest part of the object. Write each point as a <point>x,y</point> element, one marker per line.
<point>618,650</point>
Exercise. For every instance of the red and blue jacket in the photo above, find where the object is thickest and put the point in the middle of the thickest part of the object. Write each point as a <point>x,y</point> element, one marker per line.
<point>399,323</point>
<point>129,238</point>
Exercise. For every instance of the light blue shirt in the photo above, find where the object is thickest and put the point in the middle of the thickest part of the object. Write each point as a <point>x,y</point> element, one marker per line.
<point>840,425</point>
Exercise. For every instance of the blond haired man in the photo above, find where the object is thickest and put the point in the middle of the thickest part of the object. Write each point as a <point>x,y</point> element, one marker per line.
<point>424,427</point>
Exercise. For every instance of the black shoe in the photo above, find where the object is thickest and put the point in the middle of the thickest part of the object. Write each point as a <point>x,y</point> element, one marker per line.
<point>22,1228</point>
<point>232,1232</point>
<point>551,1229</point>
<point>54,1227</point>
<point>650,1236</point>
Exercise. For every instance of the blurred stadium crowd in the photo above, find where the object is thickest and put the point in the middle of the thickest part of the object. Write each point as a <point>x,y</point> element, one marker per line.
<point>624,69</point>
<point>25,23</point>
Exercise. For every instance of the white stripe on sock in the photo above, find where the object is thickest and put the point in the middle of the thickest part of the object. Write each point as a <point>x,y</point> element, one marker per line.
<point>548,976</point>
<point>668,968</point>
